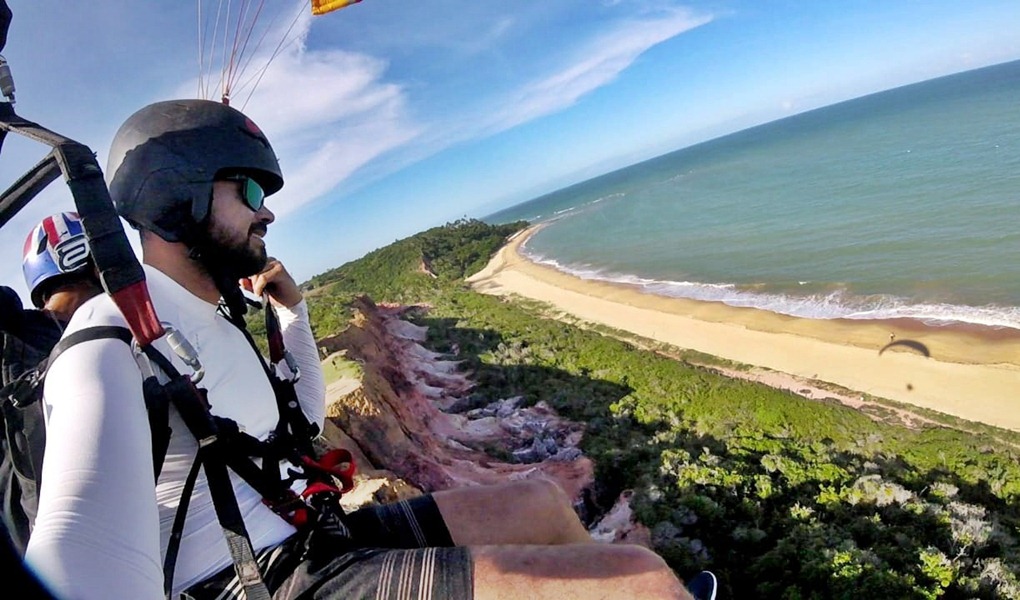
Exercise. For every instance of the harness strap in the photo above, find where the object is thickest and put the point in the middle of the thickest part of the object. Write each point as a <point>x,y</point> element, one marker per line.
<point>89,333</point>
<point>237,448</point>
<point>157,405</point>
<point>193,407</point>
<point>292,439</point>
<point>177,530</point>
<point>24,390</point>
<point>157,408</point>
<point>222,445</point>
<point>229,515</point>
<point>274,334</point>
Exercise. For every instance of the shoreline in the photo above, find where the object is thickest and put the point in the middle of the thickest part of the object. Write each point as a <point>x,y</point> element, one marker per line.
<point>973,372</point>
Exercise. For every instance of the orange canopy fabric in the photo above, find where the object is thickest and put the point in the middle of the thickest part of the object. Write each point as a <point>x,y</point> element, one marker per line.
<point>321,7</point>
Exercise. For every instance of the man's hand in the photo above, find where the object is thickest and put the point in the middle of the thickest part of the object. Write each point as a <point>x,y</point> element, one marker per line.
<point>277,282</point>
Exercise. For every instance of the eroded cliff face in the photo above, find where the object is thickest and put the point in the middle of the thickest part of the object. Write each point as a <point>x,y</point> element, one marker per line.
<point>398,417</point>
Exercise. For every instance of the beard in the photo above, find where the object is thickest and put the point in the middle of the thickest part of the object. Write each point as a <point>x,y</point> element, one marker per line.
<point>228,256</point>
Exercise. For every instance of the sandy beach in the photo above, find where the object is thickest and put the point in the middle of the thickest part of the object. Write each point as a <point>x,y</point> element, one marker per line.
<point>972,372</point>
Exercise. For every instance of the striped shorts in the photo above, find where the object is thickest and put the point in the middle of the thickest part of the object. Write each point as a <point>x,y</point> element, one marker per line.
<point>398,551</point>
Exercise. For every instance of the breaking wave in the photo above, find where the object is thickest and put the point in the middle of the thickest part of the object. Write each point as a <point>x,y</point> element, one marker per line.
<point>838,303</point>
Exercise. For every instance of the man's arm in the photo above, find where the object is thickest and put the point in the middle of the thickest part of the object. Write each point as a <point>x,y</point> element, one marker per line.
<point>97,531</point>
<point>297,337</point>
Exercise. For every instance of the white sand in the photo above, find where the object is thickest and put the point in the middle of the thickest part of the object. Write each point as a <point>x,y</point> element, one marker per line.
<point>973,373</point>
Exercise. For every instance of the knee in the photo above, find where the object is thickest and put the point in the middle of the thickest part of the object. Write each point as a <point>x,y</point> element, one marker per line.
<point>655,577</point>
<point>638,559</point>
<point>543,493</point>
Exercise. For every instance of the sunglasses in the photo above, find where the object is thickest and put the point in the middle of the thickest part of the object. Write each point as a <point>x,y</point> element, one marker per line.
<point>251,192</point>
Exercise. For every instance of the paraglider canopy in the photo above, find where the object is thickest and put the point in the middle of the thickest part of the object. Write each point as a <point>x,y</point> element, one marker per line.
<point>321,7</point>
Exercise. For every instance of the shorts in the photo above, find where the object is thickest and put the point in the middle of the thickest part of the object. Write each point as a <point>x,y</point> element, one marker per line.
<point>396,551</point>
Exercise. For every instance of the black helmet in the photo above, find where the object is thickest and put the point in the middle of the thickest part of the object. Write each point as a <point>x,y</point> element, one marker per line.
<point>165,156</point>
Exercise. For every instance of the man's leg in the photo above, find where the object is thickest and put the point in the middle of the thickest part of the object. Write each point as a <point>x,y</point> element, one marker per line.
<point>520,540</point>
<point>533,511</point>
<point>527,542</point>
<point>582,571</point>
<point>514,554</point>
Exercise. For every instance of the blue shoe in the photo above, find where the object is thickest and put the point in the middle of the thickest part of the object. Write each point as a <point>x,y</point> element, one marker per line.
<point>702,586</point>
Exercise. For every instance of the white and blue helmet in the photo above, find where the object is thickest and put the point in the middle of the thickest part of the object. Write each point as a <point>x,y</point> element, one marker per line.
<point>55,248</point>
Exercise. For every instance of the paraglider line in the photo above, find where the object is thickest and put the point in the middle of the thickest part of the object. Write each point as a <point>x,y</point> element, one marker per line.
<point>236,60</point>
<point>283,43</point>
<point>265,33</point>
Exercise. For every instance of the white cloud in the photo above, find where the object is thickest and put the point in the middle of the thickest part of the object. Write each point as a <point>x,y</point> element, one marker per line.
<point>602,61</point>
<point>598,63</point>
<point>328,113</point>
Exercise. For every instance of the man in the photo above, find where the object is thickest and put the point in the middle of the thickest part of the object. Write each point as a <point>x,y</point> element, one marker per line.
<point>60,277</point>
<point>191,176</point>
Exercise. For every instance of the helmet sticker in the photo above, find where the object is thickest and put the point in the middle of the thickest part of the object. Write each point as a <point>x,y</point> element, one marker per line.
<point>253,130</point>
<point>72,254</point>
<point>252,127</point>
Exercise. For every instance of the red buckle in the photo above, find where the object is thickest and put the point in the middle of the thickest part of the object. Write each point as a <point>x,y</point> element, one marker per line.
<point>337,463</point>
<point>319,488</point>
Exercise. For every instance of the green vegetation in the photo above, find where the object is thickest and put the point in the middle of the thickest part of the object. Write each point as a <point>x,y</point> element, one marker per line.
<point>337,367</point>
<point>781,496</point>
<point>397,273</point>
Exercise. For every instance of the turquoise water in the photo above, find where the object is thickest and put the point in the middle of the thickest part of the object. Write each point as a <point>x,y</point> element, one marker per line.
<point>899,204</point>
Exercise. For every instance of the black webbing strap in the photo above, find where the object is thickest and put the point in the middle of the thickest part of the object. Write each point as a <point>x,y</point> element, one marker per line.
<point>177,530</point>
<point>229,514</point>
<point>87,334</point>
<point>193,407</point>
<point>156,405</point>
<point>27,388</point>
<point>274,333</point>
<point>238,448</point>
<point>294,429</point>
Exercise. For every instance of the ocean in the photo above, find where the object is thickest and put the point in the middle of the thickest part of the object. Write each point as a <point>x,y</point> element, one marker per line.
<point>900,204</point>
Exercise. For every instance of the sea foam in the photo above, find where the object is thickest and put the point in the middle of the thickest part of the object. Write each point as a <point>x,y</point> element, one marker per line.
<point>835,304</point>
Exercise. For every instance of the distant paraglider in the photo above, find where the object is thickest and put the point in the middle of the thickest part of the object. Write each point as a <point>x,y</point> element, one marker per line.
<point>912,344</point>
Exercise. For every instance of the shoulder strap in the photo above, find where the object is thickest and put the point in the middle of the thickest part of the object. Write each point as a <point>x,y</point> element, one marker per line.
<point>26,389</point>
<point>88,334</point>
<point>156,408</point>
<point>294,428</point>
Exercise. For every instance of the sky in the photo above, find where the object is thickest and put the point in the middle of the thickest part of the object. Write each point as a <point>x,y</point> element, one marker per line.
<point>393,116</point>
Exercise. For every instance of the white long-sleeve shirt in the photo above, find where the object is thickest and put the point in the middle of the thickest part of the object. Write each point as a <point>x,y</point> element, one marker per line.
<point>102,527</point>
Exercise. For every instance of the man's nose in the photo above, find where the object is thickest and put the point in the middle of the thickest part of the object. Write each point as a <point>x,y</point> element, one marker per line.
<point>265,215</point>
